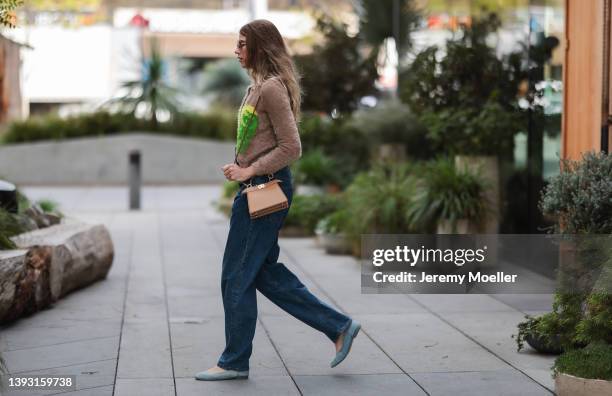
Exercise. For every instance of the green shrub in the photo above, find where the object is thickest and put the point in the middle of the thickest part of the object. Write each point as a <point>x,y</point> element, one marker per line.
<point>485,130</point>
<point>22,202</point>
<point>230,188</point>
<point>218,125</point>
<point>393,122</point>
<point>596,324</point>
<point>594,361</point>
<point>48,206</point>
<point>379,201</point>
<point>316,168</point>
<point>544,327</point>
<point>335,222</point>
<point>306,210</point>
<point>580,197</point>
<point>9,226</point>
<point>346,145</point>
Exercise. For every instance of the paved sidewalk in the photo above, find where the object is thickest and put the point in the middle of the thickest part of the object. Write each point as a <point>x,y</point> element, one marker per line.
<point>158,318</point>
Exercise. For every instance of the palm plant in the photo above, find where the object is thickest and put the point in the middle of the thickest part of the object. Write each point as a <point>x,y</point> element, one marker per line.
<point>150,93</point>
<point>226,81</point>
<point>380,20</point>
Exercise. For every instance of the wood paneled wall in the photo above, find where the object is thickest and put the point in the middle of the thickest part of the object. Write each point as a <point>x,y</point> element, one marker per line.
<point>582,114</point>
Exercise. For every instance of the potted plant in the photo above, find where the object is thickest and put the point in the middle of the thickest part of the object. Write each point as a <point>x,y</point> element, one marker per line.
<point>535,331</point>
<point>552,332</point>
<point>394,131</point>
<point>580,199</point>
<point>470,111</point>
<point>304,213</point>
<point>330,233</point>
<point>313,172</point>
<point>451,198</point>
<point>378,201</point>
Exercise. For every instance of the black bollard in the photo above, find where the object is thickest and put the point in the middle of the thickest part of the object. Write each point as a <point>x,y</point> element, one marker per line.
<point>8,196</point>
<point>134,179</point>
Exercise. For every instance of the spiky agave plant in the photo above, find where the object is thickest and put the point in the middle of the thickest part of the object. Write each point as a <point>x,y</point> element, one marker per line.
<point>150,93</point>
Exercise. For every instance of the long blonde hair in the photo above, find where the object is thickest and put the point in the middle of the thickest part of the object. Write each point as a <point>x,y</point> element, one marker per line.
<point>267,56</point>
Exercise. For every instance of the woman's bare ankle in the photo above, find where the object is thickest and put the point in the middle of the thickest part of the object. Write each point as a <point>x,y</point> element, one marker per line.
<point>338,342</point>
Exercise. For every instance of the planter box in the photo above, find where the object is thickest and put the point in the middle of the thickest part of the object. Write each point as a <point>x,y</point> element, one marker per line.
<point>568,385</point>
<point>462,227</point>
<point>488,168</point>
<point>335,243</point>
<point>309,189</point>
<point>293,232</point>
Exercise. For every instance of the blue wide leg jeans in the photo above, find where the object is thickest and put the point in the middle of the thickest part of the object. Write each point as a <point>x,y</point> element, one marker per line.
<point>249,264</point>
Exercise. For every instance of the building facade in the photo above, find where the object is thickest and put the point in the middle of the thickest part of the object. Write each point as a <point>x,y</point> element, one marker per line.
<point>586,113</point>
<point>11,103</point>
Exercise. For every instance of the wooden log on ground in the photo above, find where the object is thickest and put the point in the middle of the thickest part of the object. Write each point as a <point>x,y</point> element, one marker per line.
<point>51,263</point>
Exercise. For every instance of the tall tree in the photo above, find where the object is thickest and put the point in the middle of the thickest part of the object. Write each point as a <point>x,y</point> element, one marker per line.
<point>468,99</point>
<point>382,19</point>
<point>338,72</point>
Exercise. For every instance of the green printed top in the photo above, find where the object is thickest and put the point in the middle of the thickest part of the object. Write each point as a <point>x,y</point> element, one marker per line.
<point>248,120</point>
<point>267,135</point>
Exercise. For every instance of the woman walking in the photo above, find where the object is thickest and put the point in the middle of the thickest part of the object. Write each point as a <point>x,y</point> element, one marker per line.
<point>267,142</point>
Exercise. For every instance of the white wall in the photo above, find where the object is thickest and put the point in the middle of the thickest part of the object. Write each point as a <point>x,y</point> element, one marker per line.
<point>104,160</point>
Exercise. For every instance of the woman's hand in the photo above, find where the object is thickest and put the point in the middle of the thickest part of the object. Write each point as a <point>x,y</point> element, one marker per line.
<point>234,172</point>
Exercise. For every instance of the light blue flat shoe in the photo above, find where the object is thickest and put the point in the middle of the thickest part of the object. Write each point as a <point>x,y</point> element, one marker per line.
<point>347,342</point>
<point>222,376</point>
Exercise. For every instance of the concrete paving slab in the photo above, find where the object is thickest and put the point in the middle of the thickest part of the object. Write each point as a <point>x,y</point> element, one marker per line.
<point>480,383</point>
<point>527,302</point>
<point>195,306</point>
<point>307,351</point>
<point>197,347</point>
<point>542,376</point>
<point>152,386</point>
<point>496,336</point>
<point>367,385</point>
<point>443,303</point>
<point>71,353</point>
<point>254,386</point>
<point>424,343</point>
<point>97,391</point>
<point>62,323</point>
<point>145,351</point>
<point>88,375</point>
<point>105,390</point>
